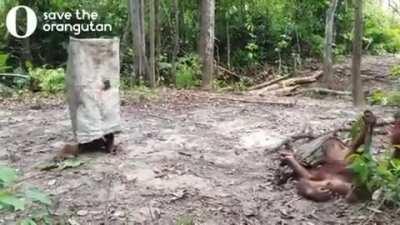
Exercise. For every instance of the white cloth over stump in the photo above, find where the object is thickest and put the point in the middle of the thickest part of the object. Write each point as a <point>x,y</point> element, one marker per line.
<point>93,88</point>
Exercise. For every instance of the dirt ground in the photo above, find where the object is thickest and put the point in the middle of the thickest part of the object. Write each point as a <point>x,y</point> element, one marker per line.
<point>185,156</point>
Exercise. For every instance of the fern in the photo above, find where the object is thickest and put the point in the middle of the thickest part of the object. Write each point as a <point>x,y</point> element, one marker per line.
<point>17,198</point>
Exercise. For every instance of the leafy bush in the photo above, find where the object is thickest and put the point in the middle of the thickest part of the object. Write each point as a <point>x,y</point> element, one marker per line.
<point>380,178</point>
<point>382,33</point>
<point>380,97</point>
<point>188,72</point>
<point>25,200</point>
<point>395,71</point>
<point>48,80</point>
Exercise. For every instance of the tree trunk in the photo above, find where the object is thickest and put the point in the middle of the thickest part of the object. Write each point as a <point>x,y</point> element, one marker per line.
<point>207,33</point>
<point>139,61</point>
<point>176,40</point>
<point>330,17</point>
<point>158,39</point>
<point>358,96</point>
<point>152,69</point>
<point>143,42</point>
<point>228,45</point>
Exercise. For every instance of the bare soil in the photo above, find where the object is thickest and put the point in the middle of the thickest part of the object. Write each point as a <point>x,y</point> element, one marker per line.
<point>184,156</point>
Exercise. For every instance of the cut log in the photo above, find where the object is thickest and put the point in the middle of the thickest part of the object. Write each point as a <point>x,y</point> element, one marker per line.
<point>302,80</point>
<point>311,153</point>
<point>286,91</point>
<point>324,91</point>
<point>246,100</point>
<point>268,83</point>
<point>289,82</point>
<point>228,71</point>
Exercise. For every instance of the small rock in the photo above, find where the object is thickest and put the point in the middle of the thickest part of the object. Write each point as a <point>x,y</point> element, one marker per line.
<point>250,208</point>
<point>52,182</point>
<point>119,214</point>
<point>82,213</point>
<point>73,222</point>
<point>10,217</point>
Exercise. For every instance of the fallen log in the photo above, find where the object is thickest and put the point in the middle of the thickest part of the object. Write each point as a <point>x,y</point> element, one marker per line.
<point>303,80</point>
<point>246,100</point>
<point>324,91</point>
<point>311,153</point>
<point>268,83</point>
<point>285,91</point>
<point>228,71</point>
<point>289,82</point>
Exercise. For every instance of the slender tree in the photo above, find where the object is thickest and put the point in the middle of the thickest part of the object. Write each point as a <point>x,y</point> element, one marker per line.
<point>330,17</point>
<point>152,35</point>
<point>175,52</point>
<point>358,95</point>
<point>206,44</point>
<point>158,38</point>
<point>136,16</point>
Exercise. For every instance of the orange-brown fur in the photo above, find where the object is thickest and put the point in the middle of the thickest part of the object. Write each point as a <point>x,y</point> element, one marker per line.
<point>332,177</point>
<point>395,136</point>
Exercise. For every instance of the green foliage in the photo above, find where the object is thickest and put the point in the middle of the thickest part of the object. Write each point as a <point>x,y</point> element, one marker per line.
<point>356,128</point>
<point>48,80</point>
<point>382,33</point>
<point>188,72</point>
<point>7,176</point>
<point>380,178</point>
<point>395,71</point>
<point>379,97</point>
<point>3,62</point>
<point>25,200</point>
<point>185,220</point>
<point>237,86</point>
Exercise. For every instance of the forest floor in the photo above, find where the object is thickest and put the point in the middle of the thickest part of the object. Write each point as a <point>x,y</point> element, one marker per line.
<point>187,155</point>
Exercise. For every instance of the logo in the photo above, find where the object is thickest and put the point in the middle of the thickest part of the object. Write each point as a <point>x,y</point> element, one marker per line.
<point>31,21</point>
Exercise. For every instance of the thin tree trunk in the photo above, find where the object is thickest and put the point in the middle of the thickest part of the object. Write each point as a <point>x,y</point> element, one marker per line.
<point>176,39</point>
<point>135,25</point>
<point>228,45</point>
<point>152,35</point>
<point>328,70</point>
<point>358,96</point>
<point>158,39</point>
<point>207,34</point>
<point>145,65</point>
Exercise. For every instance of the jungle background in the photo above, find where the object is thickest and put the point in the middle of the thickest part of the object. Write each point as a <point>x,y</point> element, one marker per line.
<point>202,125</point>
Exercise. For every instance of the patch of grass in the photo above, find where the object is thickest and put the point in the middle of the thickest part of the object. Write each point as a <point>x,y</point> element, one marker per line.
<point>138,93</point>
<point>185,220</point>
<point>47,80</point>
<point>395,71</point>
<point>239,86</point>
<point>16,197</point>
<point>379,178</point>
<point>188,72</point>
<point>379,97</point>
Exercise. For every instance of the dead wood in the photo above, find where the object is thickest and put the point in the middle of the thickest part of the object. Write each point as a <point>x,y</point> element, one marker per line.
<point>268,83</point>
<point>289,140</point>
<point>228,71</point>
<point>245,100</point>
<point>287,104</point>
<point>302,80</point>
<point>285,91</point>
<point>324,91</point>
<point>289,83</point>
<point>311,153</point>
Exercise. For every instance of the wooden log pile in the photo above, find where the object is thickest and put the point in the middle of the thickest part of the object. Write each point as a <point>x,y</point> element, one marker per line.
<point>287,86</point>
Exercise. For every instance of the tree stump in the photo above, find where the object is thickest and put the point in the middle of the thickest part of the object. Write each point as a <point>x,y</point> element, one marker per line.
<point>93,88</point>
<point>312,153</point>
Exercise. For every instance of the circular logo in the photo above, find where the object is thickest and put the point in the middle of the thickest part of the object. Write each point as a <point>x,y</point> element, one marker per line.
<point>11,21</point>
